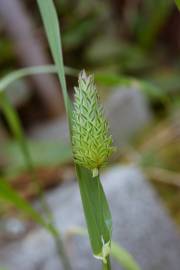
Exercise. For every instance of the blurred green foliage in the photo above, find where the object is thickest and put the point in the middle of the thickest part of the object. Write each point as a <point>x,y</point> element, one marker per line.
<point>54,153</point>
<point>178,3</point>
<point>154,15</point>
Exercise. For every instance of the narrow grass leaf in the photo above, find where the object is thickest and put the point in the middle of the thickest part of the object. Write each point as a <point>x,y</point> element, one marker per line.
<point>103,78</point>
<point>50,20</point>
<point>96,209</point>
<point>15,75</point>
<point>97,213</point>
<point>29,71</point>
<point>8,194</point>
<point>150,89</point>
<point>123,257</point>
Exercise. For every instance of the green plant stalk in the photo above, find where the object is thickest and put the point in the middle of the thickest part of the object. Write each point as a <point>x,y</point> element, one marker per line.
<point>99,223</point>
<point>107,266</point>
<point>92,145</point>
<point>61,248</point>
<point>15,126</point>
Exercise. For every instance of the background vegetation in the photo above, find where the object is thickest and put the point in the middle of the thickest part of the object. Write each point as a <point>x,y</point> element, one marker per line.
<point>125,43</point>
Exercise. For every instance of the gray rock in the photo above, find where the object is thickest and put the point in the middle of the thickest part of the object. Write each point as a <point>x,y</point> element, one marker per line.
<point>140,224</point>
<point>12,228</point>
<point>54,129</point>
<point>126,110</point>
<point>128,113</point>
<point>19,92</point>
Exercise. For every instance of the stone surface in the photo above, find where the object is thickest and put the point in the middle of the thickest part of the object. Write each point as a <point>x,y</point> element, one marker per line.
<point>128,113</point>
<point>54,129</point>
<point>19,92</point>
<point>140,224</point>
<point>126,110</point>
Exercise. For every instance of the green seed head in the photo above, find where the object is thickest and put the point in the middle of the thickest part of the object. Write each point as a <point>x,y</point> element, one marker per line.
<point>92,144</point>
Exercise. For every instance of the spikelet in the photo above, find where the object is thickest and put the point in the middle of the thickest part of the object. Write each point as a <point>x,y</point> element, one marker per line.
<point>91,143</point>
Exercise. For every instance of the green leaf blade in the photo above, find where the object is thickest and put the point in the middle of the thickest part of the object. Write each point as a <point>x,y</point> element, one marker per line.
<point>123,257</point>
<point>96,209</point>
<point>50,20</point>
<point>17,74</point>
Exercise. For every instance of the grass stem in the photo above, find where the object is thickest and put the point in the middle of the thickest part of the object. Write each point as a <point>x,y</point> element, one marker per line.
<point>107,266</point>
<point>61,248</point>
